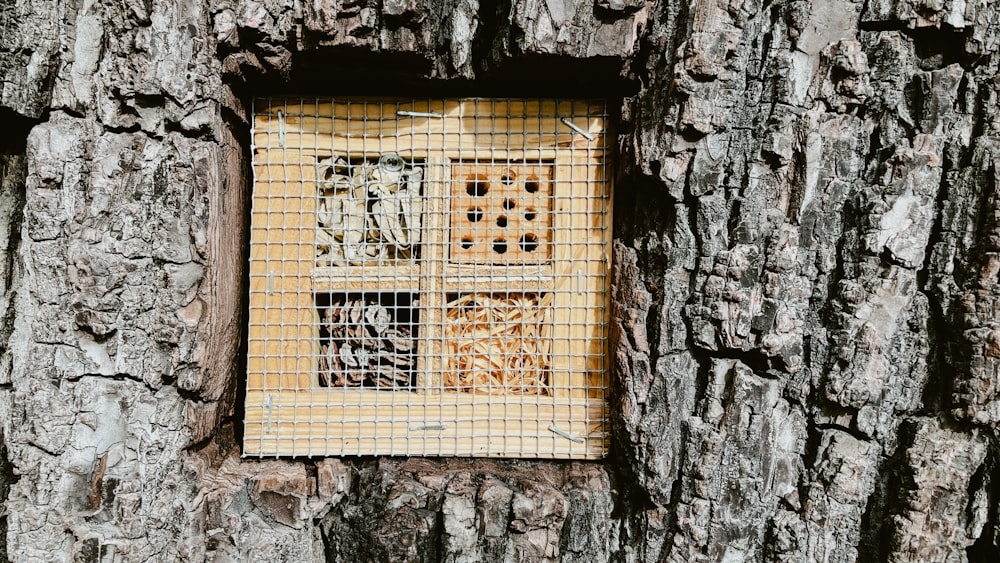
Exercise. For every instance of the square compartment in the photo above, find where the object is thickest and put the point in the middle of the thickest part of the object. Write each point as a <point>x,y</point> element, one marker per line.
<point>501,214</point>
<point>367,340</point>
<point>369,210</point>
<point>498,343</point>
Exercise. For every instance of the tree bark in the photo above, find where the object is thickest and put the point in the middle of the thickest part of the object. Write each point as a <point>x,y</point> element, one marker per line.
<point>806,304</point>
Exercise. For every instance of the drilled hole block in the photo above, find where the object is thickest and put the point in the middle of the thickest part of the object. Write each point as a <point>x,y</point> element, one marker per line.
<point>501,214</point>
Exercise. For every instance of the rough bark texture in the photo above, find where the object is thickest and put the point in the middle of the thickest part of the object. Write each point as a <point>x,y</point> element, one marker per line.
<point>806,303</point>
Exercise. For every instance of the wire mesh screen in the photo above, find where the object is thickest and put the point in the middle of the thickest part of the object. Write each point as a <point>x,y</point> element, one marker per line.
<point>428,277</point>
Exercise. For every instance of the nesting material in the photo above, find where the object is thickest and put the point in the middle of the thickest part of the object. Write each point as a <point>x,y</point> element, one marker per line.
<point>498,344</point>
<point>369,211</point>
<point>365,347</point>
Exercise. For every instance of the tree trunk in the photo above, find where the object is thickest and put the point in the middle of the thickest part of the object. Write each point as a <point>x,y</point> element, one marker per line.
<point>806,303</point>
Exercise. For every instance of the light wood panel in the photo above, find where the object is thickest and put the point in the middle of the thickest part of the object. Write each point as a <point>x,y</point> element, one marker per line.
<point>282,339</point>
<point>431,292</point>
<point>376,125</point>
<point>395,279</point>
<point>367,422</point>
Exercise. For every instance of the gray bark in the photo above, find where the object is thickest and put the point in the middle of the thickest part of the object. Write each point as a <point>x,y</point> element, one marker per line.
<point>806,303</point>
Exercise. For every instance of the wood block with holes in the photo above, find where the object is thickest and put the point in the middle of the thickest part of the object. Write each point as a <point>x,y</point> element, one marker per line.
<point>501,214</point>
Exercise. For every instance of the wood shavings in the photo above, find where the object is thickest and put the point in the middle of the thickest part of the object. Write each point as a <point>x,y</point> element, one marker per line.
<point>365,347</point>
<point>498,345</point>
<point>368,211</point>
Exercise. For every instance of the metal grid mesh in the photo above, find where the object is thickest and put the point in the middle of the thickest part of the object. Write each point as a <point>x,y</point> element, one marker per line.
<point>428,277</point>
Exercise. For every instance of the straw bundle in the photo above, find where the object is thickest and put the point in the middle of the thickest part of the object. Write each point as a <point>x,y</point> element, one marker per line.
<point>498,345</point>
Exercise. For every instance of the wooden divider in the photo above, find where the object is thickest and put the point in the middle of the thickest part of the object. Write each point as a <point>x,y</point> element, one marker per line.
<point>462,424</point>
<point>282,339</point>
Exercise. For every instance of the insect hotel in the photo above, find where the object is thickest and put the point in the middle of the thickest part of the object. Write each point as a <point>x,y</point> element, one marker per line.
<point>428,278</point>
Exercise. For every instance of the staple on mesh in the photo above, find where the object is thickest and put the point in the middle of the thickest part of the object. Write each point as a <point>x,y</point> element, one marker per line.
<point>428,427</point>
<point>583,132</point>
<point>281,129</point>
<point>270,413</point>
<point>405,113</point>
<point>564,434</point>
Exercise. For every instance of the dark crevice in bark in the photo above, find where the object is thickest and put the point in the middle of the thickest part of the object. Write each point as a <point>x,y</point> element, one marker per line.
<point>938,388</point>
<point>493,25</point>
<point>881,25</point>
<point>123,129</point>
<point>757,361</point>
<point>239,128</point>
<point>219,444</point>
<point>345,526</point>
<point>898,479</point>
<point>13,172</point>
<point>940,336</point>
<point>630,499</point>
<point>7,478</point>
<point>774,15</point>
<point>876,525</point>
<point>676,490</point>
<point>16,127</point>
<point>327,70</point>
<point>936,46</point>
<point>981,109</point>
<point>810,452</point>
<point>735,198</point>
<point>534,76</point>
<point>122,377</point>
<point>640,202</point>
<point>437,540</point>
<point>861,436</point>
<point>329,541</point>
<point>203,133</point>
<point>981,222</point>
<point>645,216</point>
<point>69,111</point>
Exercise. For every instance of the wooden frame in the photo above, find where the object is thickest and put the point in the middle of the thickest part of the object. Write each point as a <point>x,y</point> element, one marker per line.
<point>288,414</point>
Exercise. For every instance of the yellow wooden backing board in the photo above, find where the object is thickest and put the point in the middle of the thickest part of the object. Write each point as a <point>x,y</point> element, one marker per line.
<point>287,414</point>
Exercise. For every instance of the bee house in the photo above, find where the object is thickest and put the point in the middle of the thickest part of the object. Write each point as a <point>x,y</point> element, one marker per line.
<point>428,277</point>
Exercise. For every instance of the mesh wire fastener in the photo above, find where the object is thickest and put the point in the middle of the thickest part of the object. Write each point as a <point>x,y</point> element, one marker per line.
<point>270,413</point>
<point>566,435</point>
<point>281,129</point>
<point>565,121</point>
<point>427,427</point>
<point>405,113</point>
